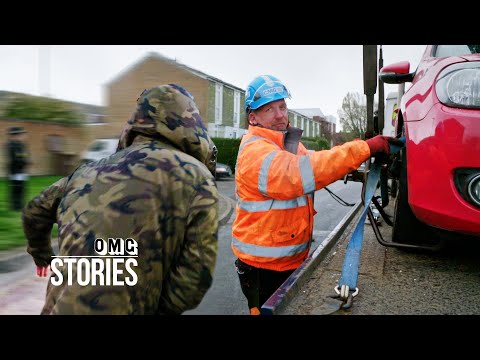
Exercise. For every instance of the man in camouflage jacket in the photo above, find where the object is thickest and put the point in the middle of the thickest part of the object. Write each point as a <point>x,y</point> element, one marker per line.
<point>158,189</point>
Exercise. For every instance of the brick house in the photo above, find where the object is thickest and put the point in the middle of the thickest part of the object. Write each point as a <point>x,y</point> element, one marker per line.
<point>219,103</point>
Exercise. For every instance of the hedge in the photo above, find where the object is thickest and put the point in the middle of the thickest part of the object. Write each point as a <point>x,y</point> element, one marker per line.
<point>227,151</point>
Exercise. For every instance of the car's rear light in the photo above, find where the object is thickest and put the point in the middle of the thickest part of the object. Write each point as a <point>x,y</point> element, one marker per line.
<point>467,182</point>
<point>458,85</point>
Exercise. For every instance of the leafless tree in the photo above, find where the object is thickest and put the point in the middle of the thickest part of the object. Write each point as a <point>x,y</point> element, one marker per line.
<point>353,115</point>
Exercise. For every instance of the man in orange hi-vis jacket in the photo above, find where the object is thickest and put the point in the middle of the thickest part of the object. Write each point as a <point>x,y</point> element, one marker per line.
<point>276,177</point>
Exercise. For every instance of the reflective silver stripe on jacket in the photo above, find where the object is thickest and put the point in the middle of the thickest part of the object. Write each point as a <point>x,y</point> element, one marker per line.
<point>265,205</point>
<point>263,174</point>
<point>308,179</point>
<point>268,251</point>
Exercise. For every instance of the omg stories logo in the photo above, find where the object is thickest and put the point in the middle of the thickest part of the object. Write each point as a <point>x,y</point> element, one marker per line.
<point>106,268</point>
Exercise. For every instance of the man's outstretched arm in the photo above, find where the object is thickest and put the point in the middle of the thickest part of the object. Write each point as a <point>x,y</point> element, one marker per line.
<point>38,218</point>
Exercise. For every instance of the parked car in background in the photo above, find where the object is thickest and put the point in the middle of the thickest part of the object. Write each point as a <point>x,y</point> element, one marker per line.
<point>222,171</point>
<point>439,115</point>
<point>99,149</point>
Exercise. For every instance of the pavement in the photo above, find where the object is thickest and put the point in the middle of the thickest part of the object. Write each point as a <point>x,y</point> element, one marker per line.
<point>17,258</point>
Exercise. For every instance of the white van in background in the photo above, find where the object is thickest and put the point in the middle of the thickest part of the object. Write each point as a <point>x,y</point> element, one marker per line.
<point>99,149</point>
<point>390,114</point>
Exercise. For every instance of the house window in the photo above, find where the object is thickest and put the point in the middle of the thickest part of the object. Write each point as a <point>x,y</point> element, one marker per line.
<point>55,143</point>
<point>236,109</point>
<point>218,103</point>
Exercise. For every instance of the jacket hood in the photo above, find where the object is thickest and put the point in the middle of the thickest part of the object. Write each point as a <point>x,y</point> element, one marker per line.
<point>168,113</point>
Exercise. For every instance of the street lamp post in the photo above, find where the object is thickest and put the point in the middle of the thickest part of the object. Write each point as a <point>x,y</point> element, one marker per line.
<point>44,70</point>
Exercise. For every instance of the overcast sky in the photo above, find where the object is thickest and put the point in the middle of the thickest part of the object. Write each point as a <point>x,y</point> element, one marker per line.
<point>318,76</point>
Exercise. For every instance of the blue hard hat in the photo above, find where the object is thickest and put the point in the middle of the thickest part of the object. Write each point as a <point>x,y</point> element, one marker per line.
<point>263,90</point>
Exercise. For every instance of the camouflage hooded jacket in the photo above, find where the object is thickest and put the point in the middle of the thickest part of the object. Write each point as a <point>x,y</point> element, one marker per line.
<point>158,189</point>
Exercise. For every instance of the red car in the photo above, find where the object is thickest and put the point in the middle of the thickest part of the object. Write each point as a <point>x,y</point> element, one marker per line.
<point>439,173</point>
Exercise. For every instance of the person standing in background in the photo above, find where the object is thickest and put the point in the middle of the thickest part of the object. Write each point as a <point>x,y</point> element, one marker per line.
<point>17,163</point>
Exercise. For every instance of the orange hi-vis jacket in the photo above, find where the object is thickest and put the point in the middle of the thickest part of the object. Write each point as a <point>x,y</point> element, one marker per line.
<point>274,212</point>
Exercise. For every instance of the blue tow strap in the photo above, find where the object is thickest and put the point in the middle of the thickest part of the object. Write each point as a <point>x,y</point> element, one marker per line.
<point>351,262</point>
<point>352,256</point>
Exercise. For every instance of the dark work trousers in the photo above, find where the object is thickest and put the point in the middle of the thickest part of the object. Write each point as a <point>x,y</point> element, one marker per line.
<point>17,194</point>
<point>259,284</point>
